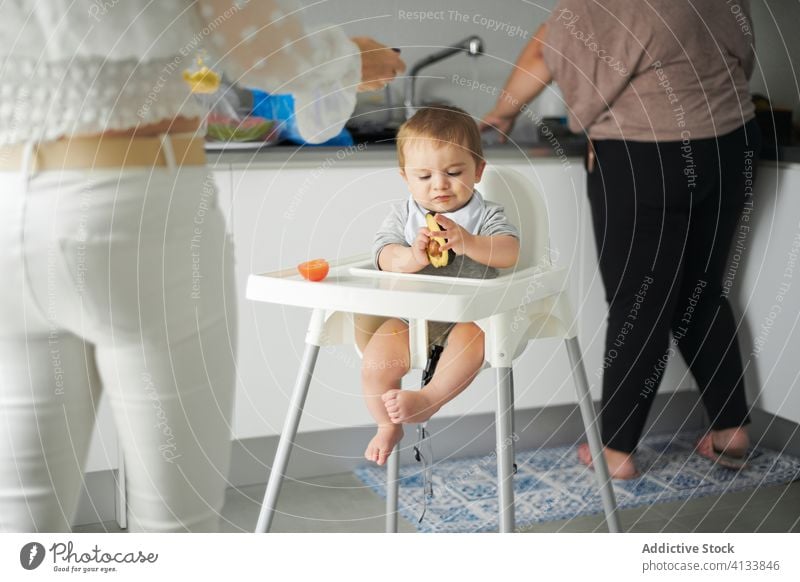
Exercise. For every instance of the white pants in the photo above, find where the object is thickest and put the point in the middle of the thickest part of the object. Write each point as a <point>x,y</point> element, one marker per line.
<point>118,281</point>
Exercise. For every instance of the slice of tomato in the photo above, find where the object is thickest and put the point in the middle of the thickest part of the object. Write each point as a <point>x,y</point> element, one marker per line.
<point>315,270</point>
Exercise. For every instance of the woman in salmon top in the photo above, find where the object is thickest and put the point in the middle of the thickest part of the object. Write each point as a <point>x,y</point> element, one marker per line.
<point>662,93</point>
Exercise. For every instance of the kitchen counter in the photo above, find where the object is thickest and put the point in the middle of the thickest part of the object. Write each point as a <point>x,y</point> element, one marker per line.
<point>379,154</point>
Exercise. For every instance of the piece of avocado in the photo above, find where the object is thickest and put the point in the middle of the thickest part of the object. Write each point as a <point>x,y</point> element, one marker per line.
<point>435,255</point>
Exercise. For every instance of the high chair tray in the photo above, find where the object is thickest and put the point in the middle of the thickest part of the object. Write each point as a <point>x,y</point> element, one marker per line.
<point>353,286</point>
<point>368,270</point>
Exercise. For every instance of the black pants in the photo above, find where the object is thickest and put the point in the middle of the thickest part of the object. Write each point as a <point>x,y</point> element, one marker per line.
<point>665,215</point>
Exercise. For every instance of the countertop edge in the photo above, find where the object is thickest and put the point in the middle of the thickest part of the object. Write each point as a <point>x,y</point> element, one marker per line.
<point>372,155</point>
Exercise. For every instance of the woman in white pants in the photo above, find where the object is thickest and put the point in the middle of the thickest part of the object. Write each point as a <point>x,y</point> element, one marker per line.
<point>117,271</point>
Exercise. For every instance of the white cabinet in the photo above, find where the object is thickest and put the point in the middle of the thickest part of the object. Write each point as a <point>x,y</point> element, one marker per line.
<point>767,291</point>
<point>281,217</point>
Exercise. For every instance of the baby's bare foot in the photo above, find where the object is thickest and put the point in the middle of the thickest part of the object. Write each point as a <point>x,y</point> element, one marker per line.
<point>383,443</point>
<point>409,406</point>
<point>620,465</point>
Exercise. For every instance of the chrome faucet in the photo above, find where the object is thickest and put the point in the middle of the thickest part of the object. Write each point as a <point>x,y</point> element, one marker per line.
<point>472,45</point>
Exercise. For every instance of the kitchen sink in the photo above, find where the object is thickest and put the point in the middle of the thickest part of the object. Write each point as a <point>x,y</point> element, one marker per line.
<point>382,135</point>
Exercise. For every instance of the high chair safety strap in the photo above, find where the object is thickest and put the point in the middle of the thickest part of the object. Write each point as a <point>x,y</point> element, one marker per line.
<point>423,450</point>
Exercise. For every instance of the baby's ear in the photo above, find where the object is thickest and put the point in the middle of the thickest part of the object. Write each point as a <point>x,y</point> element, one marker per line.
<point>479,170</point>
<point>403,174</point>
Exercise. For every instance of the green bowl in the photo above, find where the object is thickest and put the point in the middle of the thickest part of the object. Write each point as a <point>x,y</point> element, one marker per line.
<point>250,129</point>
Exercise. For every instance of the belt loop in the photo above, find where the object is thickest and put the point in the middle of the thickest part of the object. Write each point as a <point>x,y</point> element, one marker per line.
<point>30,152</point>
<point>168,151</point>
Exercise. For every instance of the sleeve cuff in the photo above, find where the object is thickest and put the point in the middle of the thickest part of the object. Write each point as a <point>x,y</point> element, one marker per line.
<point>324,107</point>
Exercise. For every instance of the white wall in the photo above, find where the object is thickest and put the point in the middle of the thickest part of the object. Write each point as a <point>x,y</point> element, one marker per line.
<point>776,23</point>
<point>386,21</point>
<point>777,74</point>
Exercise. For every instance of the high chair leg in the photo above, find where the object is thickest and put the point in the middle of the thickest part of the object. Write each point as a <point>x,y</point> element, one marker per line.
<point>288,434</point>
<point>392,489</point>
<point>513,424</point>
<point>121,492</point>
<point>593,434</point>
<point>393,463</point>
<point>505,449</point>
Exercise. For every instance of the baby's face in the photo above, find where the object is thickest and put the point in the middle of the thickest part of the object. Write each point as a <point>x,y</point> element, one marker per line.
<point>441,177</point>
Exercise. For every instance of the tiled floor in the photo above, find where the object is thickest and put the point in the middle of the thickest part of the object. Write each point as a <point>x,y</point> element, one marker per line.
<point>341,503</point>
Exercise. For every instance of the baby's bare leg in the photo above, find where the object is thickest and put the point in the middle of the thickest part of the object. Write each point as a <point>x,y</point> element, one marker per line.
<point>386,361</point>
<point>461,361</point>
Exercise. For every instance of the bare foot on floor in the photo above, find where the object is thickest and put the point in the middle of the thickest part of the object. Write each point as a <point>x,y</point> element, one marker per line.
<point>620,465</point>
<point>408,406</point>
<point>383,443</point>
<point>731,441</point>
<point>727,447</point>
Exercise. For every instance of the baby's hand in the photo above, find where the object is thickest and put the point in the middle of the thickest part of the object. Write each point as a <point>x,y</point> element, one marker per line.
<point>420,247</point>
<point>458,238</point>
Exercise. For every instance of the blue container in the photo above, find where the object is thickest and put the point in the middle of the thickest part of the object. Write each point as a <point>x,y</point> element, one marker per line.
<point>281,109</point>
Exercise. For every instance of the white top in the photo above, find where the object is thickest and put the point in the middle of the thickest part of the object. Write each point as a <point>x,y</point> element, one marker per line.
<point>479,216</point>
<point>72,67</point>
<point>469,217</point>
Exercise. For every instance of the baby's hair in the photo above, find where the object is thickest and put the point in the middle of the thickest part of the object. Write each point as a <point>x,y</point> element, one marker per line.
<point>441,125</point>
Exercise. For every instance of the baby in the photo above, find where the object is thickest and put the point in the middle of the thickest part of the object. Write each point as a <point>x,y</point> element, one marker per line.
<point>441,160</point>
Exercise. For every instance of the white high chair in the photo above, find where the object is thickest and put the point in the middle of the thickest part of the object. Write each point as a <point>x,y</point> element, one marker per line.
<point>528,302</point>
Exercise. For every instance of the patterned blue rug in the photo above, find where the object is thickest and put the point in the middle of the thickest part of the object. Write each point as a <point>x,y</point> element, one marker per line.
<point>551,485</point>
